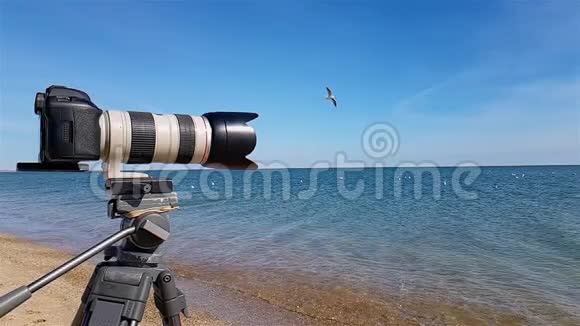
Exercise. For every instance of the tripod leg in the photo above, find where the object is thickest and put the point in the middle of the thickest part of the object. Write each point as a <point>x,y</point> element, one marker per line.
<point>79,315</point>
<point>116,296</point>
<point>169,300</point>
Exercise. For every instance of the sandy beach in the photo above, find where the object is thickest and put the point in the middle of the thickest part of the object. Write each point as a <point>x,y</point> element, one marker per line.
<point>292,302</point>
<point>55,305</point>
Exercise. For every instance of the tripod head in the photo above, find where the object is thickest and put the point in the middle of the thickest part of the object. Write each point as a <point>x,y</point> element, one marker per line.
<point>142,203</point>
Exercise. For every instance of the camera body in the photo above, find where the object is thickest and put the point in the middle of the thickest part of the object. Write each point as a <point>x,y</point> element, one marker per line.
<point>69,124</point>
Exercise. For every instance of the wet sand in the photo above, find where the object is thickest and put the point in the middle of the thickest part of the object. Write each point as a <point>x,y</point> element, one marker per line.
<point>333,303</point>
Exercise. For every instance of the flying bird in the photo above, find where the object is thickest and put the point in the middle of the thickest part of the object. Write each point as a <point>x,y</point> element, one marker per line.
<point>330,96</point>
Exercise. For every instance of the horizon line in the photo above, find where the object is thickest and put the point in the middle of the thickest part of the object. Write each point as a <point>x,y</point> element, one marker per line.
<point>329,168</point>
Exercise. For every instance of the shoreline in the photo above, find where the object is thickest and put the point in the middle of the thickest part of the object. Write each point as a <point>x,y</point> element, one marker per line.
<point>22,260</point>
<point>222,295</point>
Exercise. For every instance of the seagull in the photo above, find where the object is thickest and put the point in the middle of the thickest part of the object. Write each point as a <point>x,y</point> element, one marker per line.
<point>330,96</point>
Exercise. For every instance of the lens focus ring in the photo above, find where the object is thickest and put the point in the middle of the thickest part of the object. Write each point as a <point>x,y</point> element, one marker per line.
<point>143,137</point>
<point>186,139</point>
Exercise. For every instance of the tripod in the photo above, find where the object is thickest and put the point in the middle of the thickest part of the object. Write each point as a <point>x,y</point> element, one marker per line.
<point>118,290</point>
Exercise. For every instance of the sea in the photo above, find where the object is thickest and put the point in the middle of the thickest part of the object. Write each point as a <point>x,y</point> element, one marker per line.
<point>470,245</point>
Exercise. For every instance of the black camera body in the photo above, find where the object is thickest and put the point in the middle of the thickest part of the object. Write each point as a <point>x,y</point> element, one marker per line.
<point>69,124</point>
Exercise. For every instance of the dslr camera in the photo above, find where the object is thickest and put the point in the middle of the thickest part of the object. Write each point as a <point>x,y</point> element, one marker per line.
<point>74,129</point>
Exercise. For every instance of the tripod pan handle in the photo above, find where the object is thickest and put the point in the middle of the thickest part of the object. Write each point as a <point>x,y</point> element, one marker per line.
<point>13,299</point>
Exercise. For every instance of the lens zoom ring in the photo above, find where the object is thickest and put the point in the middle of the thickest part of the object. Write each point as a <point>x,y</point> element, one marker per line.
<point>142,137</point>
<point>186,139</point>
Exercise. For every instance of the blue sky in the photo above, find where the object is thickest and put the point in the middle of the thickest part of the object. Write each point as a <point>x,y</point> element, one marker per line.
<point>494,82</point>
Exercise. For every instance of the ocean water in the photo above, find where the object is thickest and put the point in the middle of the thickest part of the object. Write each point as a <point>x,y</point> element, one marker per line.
<point>496,245</point>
